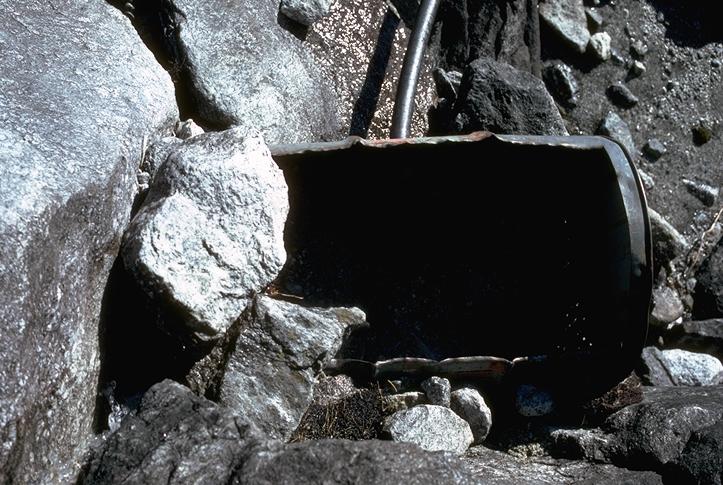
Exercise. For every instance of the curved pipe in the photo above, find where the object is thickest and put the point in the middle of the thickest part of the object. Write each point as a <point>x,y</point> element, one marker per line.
<point>413,58</point>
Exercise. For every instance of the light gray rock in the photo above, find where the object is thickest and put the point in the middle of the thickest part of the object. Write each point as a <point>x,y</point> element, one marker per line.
<point>78,93</point>
<point>667,306</point>
<point>501,99</point>
<point>601,45</point>
<point>637,69</point>
<point>405,400</point>
<point>567,18</point>
<point>676,367</point>
<point>187,129</point>
<point>265,368</point>
<point>306,12</point>
<point>614,127</point>
<point>210,233</point>
<point>438,390</point>
<point>703,192</point>
<point>257,76</point>
<point>531,401</point>
<point>471,406</point>
<point>432,428</point>
<point>653,148</point>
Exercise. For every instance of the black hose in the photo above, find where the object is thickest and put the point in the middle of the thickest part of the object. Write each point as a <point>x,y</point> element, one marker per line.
<point>413,59</point>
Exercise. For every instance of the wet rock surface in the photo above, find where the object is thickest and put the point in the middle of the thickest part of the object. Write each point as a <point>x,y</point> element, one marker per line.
<point>79,92</point>
<point>210,232</point>
<point>265,367</point>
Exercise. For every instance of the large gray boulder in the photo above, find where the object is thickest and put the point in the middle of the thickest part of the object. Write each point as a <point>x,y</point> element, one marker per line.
<point>175,437</point>
<point>211,231</point>
<point>265,368</point>
<point>650,435</point>
<point>242,68</point>
<point>567,19</point>
<point>676,367</point>
<point>499,98</point>
<point>78,93</point>
<point>433,428</point>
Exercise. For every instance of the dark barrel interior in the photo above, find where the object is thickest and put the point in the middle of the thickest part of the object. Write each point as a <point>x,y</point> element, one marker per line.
<point>464,248</point>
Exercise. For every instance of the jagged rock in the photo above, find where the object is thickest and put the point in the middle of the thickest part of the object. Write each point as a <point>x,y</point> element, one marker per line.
<point>654,149</point>
<point>567,19</point>
<point>614,127</point>
<point>79,93</point>
<point>594,19</point>
<point>265,367</point>
<point>447,83</point>
<point>499,468</point>
<point>438,390</point>
<point>499,98</point>
<point>433,428</point>
<point>621,95</point>
<point>637,69</point>
<point>703,192</point>
<point>667,306</point>
<point>176,437</point>
<point>677,367</point>
<point>210,233</point>
<point>702,458</point>
<point>258,76</point>
<point>708,295</point>
<point>306,12</point>
<point>698,336</point>
<point>187,129</point>
<point>648,435</point>
<point>343,462</point>
<point>668,243</point>
<point>561,83</point>
<point>601,46</point>
<point>646,179</point>
<point>471,406</point>
<point>507,31</point>
<point>405,400</point>
<point>627,392</point>
<point>532,401</point>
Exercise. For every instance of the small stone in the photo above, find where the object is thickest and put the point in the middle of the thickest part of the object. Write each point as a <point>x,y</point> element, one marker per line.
<point>531,401</point>
<point>638,49</point>
<point>676,367</point>
<point>702,134</point>
<point>438,390</point>
<point>668,243</point>
<point>567,18</point>
<point>637,69</point>
<point>654,149</point>
<point>187,129</point>
<point>614,127</point>
<point>594,19</point>
<point>471,406</point>
<point>432,428</point>
<point>715,63</point>
<point>561,83</point>
<point>447,83</point>
<point>646,179</point>
<point>703,192</point>
<point>601,46</point>
<point>405,400</point>
<point>667,306</point>
<point>621,95</point>
<point>306,12</point>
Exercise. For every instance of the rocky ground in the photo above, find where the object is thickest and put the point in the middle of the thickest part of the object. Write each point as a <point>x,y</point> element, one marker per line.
<point>158,320</point>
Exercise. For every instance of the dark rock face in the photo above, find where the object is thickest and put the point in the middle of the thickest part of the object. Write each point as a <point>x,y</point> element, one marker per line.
<point>507,31</point>
<point>702,458</point>
<point>79,93</point>
<point>651,434</point>
<point>265,367</point>
<point>210,233</point>
<point>366,462</point>
<point>708,295</point>
<point>499,468</point>
<point>235,80</point>
<point>698,336</point>
<point>501,99</point>
<point>176,437</point>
